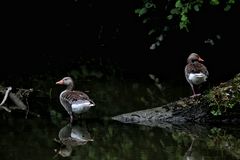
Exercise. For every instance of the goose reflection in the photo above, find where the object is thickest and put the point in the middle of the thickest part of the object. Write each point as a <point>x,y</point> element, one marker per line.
<point>192,152</point>
<point>71,136</point>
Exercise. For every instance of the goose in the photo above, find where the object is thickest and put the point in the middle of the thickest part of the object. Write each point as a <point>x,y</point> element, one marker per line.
<point>196,73</point>
<point>74,102</point>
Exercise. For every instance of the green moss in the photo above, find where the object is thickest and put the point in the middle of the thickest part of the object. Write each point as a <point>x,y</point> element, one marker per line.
<point>225,96</point>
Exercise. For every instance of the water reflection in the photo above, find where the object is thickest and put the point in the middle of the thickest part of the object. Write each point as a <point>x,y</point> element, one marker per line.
<point>70,136</point>
<point>23,139</point>
<point>189,155</point>
<point>195,141</point>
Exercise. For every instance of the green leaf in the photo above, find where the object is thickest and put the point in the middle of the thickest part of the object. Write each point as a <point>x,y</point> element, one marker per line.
<point>136,11</point>
<point>185,10</point>
<point>174,11</point>
<point>169,17</point>
<point>213,113</point>
<point>150,5</point>
<point>231,1</point>
<point>227,8</point>
<point>184,18</point>
<point>182,25</point>
<point>214,2</point>
<point>145,20</point>
<point>216,112</point>
<point>178,4</point>
<point>196,7</point>
<point>142,11</point>
<point>151,31</point>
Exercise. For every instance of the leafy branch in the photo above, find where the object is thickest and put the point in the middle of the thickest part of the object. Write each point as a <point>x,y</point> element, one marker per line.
<point>161,13</point>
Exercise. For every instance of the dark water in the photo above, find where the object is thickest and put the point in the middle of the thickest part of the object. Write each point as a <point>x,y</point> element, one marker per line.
<point>35,139</point>
<point>96,136</point>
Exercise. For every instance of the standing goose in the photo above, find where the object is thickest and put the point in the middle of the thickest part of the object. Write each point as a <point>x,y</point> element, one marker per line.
<point>74,102</point>
<point>195,72</point>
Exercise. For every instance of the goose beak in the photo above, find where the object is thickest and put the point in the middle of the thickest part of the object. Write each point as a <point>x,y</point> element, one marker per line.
<point>200,59</point>
<point>59,82</point>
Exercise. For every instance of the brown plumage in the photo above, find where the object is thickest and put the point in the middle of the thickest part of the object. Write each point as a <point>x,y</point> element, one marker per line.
<point>195,72</point>
<point>74,101</point>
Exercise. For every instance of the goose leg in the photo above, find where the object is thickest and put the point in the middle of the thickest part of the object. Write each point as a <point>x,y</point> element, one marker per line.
<point>193,90</point>
<point>71,118</point>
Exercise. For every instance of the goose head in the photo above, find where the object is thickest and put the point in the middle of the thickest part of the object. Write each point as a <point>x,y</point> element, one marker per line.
<point>67,81</point>
<point>193,57</point>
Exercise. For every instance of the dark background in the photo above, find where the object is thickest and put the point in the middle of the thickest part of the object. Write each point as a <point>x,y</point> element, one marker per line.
<point>58,36</point>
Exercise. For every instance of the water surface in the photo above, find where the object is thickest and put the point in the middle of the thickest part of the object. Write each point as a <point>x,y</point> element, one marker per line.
<point>96,136</point>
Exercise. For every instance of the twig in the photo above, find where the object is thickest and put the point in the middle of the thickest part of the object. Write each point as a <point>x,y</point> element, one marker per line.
<point>5,108</point>
<point>5,98</point>
<point>34,114</point>
<point>25,93</point>
<point>27,111</point>
<point>17,101</point>
<point>6,95</point>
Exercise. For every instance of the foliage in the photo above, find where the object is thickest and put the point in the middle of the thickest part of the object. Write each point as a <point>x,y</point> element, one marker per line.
<point>225,96</point>
<point>167,14</point>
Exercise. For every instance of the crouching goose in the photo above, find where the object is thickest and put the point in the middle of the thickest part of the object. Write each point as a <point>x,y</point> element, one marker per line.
<point>74,102</point>
<point>195,72</point>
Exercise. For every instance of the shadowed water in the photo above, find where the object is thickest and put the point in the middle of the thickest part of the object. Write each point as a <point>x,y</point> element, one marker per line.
<point>35,139</point>
<point>96,136</point>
